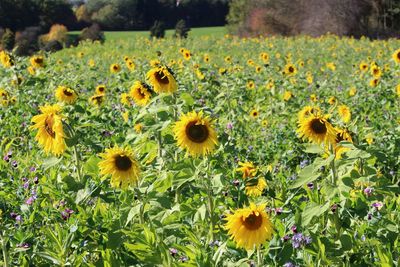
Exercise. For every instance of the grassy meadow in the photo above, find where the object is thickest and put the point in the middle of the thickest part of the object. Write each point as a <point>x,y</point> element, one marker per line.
<point>209,151</point>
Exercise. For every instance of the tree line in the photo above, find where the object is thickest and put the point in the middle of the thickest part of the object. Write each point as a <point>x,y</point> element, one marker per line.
<point>110,15</point>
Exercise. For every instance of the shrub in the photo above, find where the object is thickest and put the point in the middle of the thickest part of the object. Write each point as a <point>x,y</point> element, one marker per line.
<point>8,40</point>
<point>158,29</point>
<point>58,33</point>
<point>52,46</point>
<point>92,33</point>
<point>181,30</point>
<point>26,42</point>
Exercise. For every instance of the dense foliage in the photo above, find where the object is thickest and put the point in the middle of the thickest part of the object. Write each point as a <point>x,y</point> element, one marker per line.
<point>65,209</point>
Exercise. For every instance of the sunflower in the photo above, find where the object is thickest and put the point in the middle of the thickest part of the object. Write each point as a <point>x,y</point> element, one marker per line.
<point>398,90</point>
<point>258,69</point>
<point>313,98</point>
<point>363,66</point>
<point>376,71</point>
<point>317,129</point>
<point>332,100</point>
<point>255,187</point>
<point>309,79</point>
<point>264,57</point>
<point>50,133</point>
<point>228,59</point>
<point>138,127</point>
<point>115,68</point>
<point>222,71</point>
<point>140,93</point>
<point>120,163</point>
<point>130,65</point>
<point>126,99</point>
<point>31,70</point>
<point>374,82</point>
<point>249,227</point>
<point>341,135</point>
<point>186,54</point>
<point>247,169</point>
<point>254,113</point>
<point>66,95</point>
<point>308,111</point>
<point>97,99</point>
<point>287,95</point>
<point>195,133</point>
<point>162,80</point>
<point>155,63</point>
<point>396,56</point>
<point>250,84</point>
<point>91,63</point>
<point>352,91</point>
<point>344,113</point>
<point>290,69</point>
<point>6,59</point>
<point>37,61</point>
<point>264,123</point>
<point>206,58</point>
<point>101,89</point>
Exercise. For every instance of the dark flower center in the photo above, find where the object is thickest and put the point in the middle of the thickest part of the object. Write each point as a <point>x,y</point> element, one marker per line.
<point>196,133</point>
<point>48,126</point>
<point>253,222</point>
<point>38,60</point>
<point>123,162</point>
<point>68,93</point>
<point>101,89</point>
<point>161,78</point>
<point>318,127</point>
<point>291,69</point>
<point>115,67</point>
<point>98,99</point>
<point>398,55</point>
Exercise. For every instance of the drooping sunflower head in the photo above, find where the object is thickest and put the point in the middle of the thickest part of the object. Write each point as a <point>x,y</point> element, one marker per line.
<point>37,61</point>
<point>249,227</point>
<point>66,95</point>
<point>344,113</point>
<point>120,163</point>
<point>255,187</point>
<point>317,129</point>
<point>247,169</point>
<point>97,99</point>
<point>341,135</point>
<point>162,80</point>
<point>396,56</point>
<point>308,111</point>
<point>50,133</point>
<point>195,133</point>
<point>140,93</point>
<point>101,89</point>
<point>115,68</point>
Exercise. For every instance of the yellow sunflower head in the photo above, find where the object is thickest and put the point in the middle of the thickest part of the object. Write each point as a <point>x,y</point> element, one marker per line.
<point>130,65</point>
<point>317,129</point>
<point>290,69</point>
<point>308,111</point>
<point>363,66</point>
<point>255,187</point>
<point>332,100</point>
<point>97,99</point>
<point>186,54</point>
<point>344,113</point>
<point>249,227</point>
<point>120,163</point>
<point>101,89</point>
<point>50,133</point>
<point>254,113</point>
<point>250,84</point>
<point>37,61</point>
<point>374,82</point>
<point>287,95</point>
<point>66,95</point>
<point>162,80</point>
<point>247,169</point>
<point>206,58</point>
<point>6,59</point>
<point>396,56</point>
<point>376,71</point>
<point>140,93</point>
<point>195,133</point>
<point>352,91</point>
<point>115,68</point>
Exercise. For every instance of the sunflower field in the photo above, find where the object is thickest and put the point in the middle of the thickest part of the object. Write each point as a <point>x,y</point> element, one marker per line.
<point>211,151</point>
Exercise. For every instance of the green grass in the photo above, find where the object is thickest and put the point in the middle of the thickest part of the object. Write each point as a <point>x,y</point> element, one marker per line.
<point>195,32</point>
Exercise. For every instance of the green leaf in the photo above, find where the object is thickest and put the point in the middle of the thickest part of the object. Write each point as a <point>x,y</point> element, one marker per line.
<point>188,99</point>
<point>306,175</point>
<point>91,165</point>
<point>313,149</point>
<point>50,162</point>
<point>312,210</point>
<point>346,242</point>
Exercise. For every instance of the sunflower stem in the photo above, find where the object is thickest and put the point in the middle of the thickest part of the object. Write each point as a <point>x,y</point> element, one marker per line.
<point>5,254</point>
<point>78,163</point>
<point>333,168</point>
<point>210,200</point>
<point>259,257</point>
